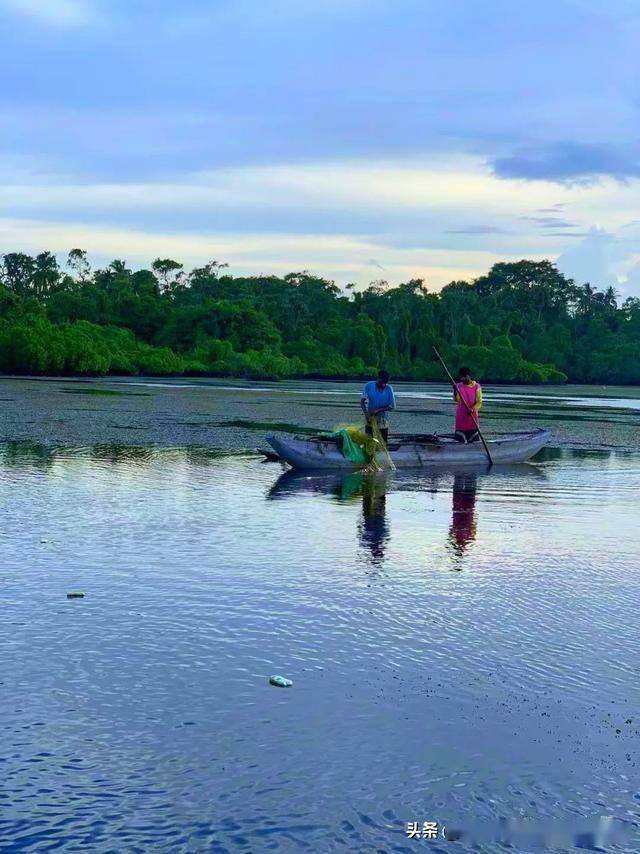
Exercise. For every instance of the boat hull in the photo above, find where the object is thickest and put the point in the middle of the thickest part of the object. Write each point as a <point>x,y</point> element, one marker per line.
<point>511,448</point>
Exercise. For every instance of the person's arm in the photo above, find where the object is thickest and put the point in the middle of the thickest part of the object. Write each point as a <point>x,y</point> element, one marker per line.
<point>392,403</point>
<point>478,403</point>
<point>364,403</point>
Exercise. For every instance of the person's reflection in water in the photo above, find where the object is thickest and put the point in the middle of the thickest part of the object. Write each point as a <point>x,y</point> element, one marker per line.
<point>374,529</point>
<point>463,518</point>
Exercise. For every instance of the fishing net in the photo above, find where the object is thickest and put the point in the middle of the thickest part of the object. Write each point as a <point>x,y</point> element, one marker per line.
<point>387,462</point>
<point>356,446</point>
<point>364,450</point>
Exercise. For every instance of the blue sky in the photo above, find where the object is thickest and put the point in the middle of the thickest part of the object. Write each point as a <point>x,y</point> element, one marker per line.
<point>360,139</point>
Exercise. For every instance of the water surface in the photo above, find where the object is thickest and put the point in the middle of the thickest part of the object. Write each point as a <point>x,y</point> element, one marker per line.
<point>464,647</point>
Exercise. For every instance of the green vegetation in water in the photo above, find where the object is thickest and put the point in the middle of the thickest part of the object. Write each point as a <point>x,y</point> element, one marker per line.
<point>105,392</point>
<point>273,426</point>
<point>521,322</point>
<point>24,452</point>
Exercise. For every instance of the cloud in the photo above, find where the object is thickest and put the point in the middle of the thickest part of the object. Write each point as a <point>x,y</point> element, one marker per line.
<point>339,257</point>
<point>631,284</point>
<point>443,186</point>
<point>591,260</point>
<point>406,206</point>
<point>412,80</point>
<point>425,135</point>
<point>551,222</point>
<point>478,229</point>
<point>572,234</point>
<point>606,259</point>
<point>570,162</point>
<point>57,12</point>
<point>409,216</point>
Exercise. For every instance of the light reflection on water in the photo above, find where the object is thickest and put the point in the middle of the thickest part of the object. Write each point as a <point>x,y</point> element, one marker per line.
<point>464,648</point>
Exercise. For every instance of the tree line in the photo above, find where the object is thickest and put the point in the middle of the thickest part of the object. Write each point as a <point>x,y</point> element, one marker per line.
<point>521,322</point>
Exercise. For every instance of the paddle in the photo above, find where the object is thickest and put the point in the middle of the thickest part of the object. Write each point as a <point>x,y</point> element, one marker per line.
<point>468,408</point>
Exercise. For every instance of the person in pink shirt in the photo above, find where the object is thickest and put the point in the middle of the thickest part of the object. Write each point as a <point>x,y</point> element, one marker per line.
<point>468,396</point>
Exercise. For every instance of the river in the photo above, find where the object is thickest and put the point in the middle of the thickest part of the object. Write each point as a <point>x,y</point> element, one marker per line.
<point>464,648</point>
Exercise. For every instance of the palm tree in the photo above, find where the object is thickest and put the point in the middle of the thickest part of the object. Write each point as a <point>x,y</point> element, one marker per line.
<point>586,298</point>
<point>611,298</point>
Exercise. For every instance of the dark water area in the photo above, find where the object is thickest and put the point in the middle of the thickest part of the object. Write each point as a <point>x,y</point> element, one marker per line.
<point>464,647</point>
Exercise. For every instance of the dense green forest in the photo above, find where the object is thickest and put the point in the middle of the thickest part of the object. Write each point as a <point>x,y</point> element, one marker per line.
<point>521,322</point>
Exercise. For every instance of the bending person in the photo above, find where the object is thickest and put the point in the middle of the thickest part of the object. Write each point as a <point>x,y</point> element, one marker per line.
<point>378,399</point>
<point>467,397</point>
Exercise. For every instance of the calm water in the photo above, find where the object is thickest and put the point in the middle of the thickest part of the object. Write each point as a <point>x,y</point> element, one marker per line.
<point>464,648</point>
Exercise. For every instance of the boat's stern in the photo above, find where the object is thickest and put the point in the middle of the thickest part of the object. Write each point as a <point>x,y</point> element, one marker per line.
<point>539,439</point>
<point>520,448</point>
<point>303,454</point>
<point>292,451</point>
<point>277,446</point>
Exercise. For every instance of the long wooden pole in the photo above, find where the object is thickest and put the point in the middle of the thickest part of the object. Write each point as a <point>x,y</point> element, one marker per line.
<point>468,408</point>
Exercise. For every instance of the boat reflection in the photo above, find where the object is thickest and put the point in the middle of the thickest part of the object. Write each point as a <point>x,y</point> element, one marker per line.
<point>372,489</point>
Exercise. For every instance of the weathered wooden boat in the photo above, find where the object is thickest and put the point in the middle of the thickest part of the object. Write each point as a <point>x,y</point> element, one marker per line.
<point>323,452</point>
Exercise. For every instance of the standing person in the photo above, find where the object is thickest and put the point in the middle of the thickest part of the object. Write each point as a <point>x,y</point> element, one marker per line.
<point>378,399</point>
<point>468,392</point>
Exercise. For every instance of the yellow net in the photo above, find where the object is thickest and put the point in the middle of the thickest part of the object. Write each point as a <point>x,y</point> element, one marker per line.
<point>369,451</point>
<point>377,435</point>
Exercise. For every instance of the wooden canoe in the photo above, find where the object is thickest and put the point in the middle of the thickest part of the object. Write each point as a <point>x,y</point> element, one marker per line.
<point>323,452</point>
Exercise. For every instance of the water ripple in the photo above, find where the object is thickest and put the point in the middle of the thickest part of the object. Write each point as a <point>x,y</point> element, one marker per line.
<point>464,649</point>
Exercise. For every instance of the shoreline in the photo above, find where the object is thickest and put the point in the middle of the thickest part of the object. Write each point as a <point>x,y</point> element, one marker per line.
<point>150,378</point>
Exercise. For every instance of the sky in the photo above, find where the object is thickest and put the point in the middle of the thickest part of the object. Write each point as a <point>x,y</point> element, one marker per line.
<point>358,139</point>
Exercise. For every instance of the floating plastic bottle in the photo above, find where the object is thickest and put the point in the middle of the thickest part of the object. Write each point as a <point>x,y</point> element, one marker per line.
<point>280,682</point>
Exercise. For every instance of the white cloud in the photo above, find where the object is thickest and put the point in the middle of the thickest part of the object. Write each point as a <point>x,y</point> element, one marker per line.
<point>631,285</point>
<point>456,188</point>
<point>449,218</point>
<point>58,12</point>
<point>591,260</point>
<point>606,258</point>
<point>338,257</point>
<point>464,184</point>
